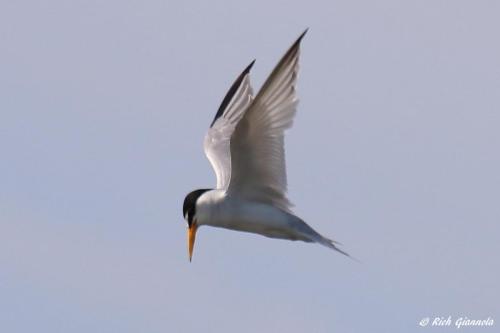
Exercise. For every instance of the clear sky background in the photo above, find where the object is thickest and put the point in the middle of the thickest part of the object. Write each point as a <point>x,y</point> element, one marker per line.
<point>394,153</point>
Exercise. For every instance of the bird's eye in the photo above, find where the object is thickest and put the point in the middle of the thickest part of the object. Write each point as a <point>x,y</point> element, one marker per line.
<point>189,219</point>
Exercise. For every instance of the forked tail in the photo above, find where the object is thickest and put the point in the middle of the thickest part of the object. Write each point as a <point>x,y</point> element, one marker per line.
<point>331,244</point>
<point>311,235</point>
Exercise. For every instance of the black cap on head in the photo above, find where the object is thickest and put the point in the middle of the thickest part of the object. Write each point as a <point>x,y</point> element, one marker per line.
<point>189,207</point>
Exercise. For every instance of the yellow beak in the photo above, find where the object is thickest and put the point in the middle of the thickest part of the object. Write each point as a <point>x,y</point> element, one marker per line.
<point>191,238</point>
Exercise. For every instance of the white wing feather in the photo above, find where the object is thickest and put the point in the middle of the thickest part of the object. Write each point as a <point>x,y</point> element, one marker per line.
<point>217,139</point>
<point>257,143</point>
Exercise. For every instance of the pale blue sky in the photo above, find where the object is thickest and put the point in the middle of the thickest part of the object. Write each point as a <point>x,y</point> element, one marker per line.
<point>103,108</point>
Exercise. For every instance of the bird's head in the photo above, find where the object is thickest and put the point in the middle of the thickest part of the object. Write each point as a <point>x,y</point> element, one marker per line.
<point>189,213</point>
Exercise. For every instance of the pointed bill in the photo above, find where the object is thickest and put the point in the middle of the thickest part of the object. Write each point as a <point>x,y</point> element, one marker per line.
<point>191,238</point>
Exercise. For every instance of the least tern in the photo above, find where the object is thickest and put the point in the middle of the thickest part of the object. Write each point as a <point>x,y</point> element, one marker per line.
<point>245,145</point>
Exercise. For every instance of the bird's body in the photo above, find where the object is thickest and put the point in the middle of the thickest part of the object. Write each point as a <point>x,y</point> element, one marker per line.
<point>217,209</point>
<point>245,145</point>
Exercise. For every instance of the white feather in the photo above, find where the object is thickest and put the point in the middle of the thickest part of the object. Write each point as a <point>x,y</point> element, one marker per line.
<point>217,139</point>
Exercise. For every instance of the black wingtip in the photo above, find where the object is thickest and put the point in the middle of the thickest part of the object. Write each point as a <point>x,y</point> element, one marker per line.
<point>231,93</point>
<point>249,67</point>
<point>302,35</point>
<point>297,42</point>
<point>296,45</point>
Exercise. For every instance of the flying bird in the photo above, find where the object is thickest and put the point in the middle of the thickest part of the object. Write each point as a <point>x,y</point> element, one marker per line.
<point>245,145</point>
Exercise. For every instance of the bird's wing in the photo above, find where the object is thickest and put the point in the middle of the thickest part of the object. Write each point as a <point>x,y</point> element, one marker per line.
<point>232,108</point>
<point>257,143</point>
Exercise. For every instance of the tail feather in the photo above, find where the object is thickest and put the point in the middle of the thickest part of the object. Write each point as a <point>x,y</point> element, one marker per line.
<point>308,234</point>
<point>331,244</point>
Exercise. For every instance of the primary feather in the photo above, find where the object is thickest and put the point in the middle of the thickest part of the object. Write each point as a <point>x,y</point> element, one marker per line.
<point>258,170</point>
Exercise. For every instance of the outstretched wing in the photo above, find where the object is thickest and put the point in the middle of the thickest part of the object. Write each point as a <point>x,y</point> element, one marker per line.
<point>257,144</point>
<point>217,139</point>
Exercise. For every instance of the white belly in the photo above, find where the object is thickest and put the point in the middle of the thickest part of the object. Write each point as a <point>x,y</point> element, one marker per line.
<point>222,211</point>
